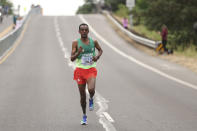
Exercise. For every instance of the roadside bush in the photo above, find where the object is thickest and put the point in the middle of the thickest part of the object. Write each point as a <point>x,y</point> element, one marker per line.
<point>122,11</point>
<point>86,9</point>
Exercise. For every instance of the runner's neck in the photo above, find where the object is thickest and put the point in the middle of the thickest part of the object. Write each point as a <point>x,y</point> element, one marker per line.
<point>85,40</point>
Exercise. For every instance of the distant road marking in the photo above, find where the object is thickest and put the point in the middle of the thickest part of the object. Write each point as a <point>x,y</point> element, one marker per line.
<point>12,48</point>
<point>6,31</point>
<point>104,118</point>
<point>135,60</point>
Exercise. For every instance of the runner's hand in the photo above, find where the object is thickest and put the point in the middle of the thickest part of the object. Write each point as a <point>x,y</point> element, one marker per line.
<point>80,49</point>
<point>95,58</point>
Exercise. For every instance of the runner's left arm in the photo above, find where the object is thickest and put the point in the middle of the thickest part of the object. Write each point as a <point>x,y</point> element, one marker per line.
<point>100,51</point>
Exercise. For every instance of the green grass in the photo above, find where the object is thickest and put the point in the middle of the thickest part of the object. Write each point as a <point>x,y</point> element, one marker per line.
<point>153,35</point>
<point>141,29</point>
<point>188,52</point>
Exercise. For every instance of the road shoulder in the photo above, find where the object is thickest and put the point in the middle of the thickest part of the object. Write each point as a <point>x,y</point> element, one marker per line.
<point>6,31</point>
<point>190,63</point>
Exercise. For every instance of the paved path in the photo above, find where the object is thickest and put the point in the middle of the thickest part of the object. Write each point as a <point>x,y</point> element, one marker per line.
<point>6,26</point>
<point>37,92</point>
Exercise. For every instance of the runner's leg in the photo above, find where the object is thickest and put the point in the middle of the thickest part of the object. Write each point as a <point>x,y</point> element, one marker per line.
<point>82,97</point>
<point>91,86</point>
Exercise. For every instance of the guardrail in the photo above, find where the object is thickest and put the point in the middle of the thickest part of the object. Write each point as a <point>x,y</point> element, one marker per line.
<point>8,40</point>
<point>141,40</point>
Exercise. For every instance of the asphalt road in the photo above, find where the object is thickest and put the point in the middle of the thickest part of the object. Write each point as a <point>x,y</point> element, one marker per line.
<point>37,92</point>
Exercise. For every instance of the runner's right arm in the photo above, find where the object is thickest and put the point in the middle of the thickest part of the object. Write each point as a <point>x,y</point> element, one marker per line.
<point>75,53</point>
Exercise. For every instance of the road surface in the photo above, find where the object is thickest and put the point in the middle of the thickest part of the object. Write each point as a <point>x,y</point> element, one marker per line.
<point>7,22</point>
<point>135,92</point>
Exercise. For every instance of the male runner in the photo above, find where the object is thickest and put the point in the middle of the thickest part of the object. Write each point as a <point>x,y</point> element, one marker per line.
<point>83,51</point>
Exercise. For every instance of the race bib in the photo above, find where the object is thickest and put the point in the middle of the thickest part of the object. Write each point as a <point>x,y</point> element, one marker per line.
<point>86,59</point>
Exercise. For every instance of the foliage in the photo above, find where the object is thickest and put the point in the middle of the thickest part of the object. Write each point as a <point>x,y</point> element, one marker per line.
<point>113,4</point>
<point>6,3</point>
<point>178,15</point>
<point>122,11</point>
<point>139,10</point>
<point>142,30</point>
<point>90,7</point>
<point>86,9</point>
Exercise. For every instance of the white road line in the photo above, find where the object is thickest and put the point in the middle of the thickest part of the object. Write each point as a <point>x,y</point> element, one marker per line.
<point>104,118</point>
<point>109,118</point>
<point>135,60</point>
<point>103,107</point>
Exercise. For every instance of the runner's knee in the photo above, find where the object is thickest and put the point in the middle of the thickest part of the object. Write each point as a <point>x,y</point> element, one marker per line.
<point>91,90</point>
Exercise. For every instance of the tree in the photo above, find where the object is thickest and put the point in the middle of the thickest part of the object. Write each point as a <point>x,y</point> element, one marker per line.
<point>113,4</point>
<point>122,11</point>
<point>139,10</point>
<point>178,15</point>
<point>4,3</point>
<point>87,7</point>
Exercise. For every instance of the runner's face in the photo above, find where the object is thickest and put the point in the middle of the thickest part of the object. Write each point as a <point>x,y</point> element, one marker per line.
<point>84,31</point>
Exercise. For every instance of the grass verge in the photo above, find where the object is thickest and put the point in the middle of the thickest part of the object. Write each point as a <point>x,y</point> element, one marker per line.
<point>187,58</point>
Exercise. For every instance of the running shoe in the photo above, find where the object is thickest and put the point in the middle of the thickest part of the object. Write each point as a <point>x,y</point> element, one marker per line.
<point>84,120</point>
<point>91,104</point>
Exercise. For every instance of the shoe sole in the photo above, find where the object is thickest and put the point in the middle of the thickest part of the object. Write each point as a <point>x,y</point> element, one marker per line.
<point>91,109</point>
<point>84,123</point>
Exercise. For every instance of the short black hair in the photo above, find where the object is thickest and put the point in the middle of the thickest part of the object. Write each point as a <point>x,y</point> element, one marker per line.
<point>82,25</point>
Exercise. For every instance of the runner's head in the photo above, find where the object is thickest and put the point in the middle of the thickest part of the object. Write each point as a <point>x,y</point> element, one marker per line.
<point>83,30</point>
